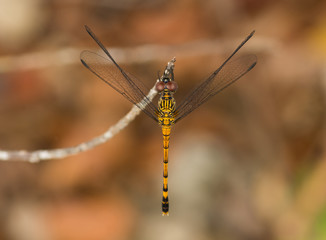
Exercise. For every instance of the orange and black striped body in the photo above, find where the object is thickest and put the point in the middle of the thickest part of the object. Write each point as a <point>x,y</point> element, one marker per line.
<point>166,114</point>
<point>166,107</point>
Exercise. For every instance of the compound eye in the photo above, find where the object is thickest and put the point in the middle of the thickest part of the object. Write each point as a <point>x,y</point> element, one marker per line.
<point>159,86</point>
<point>172,86</point>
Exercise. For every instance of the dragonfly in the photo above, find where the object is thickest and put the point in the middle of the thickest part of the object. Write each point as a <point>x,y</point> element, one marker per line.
<point>167,112</point>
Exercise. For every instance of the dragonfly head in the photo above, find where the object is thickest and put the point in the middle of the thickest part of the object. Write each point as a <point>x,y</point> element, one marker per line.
<point>166,83</point>
<point>167,80</point>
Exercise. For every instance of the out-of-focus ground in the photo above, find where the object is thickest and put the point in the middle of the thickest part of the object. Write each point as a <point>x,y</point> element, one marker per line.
<point>250,164</point>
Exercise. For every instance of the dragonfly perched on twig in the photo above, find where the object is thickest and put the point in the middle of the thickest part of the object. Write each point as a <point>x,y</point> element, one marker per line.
<point>167,113</point>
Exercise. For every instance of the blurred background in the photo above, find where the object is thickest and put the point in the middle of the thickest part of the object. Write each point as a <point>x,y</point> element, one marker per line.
<point>249,164</point>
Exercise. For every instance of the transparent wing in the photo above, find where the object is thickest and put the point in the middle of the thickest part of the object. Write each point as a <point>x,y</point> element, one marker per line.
<point>124,83</point>
<point>224,76</point>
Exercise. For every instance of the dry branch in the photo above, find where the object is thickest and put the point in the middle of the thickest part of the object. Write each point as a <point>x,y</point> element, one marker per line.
<point>36,156</point>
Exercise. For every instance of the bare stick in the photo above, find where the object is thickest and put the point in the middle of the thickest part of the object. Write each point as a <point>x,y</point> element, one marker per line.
<point>36,156</point>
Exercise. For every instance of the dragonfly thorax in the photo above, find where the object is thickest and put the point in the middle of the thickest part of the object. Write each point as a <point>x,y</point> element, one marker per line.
<point>166,108</point>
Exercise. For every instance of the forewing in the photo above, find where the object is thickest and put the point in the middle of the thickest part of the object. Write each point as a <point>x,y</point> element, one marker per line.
<point>110,72</point>
<point>224,76</point>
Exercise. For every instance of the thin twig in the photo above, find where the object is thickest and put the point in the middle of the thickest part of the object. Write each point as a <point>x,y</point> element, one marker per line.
<point>36,156</point>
